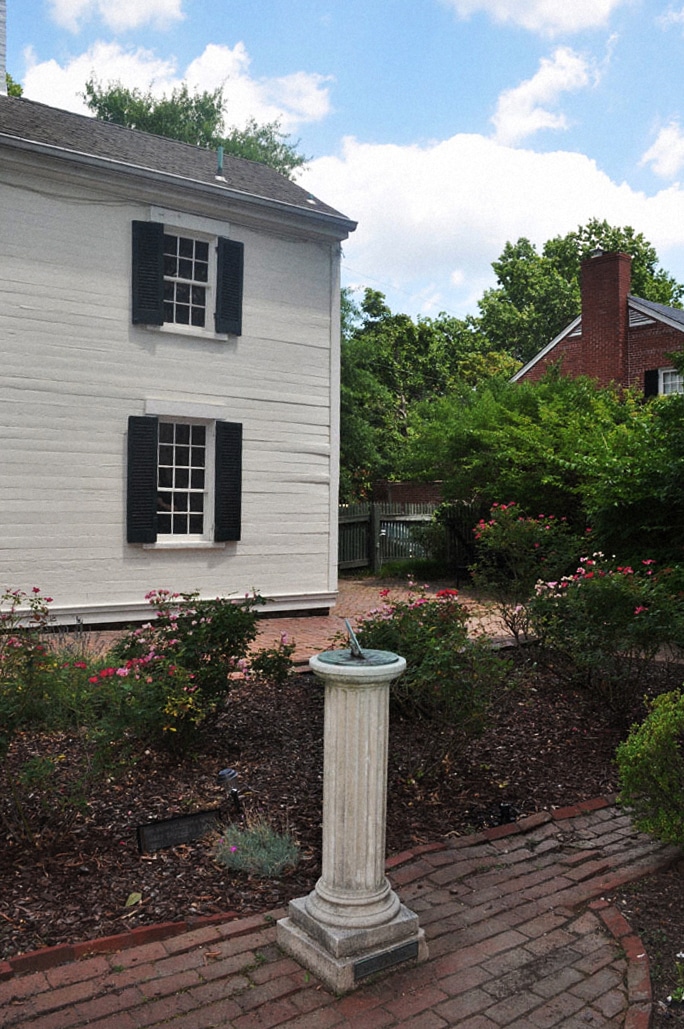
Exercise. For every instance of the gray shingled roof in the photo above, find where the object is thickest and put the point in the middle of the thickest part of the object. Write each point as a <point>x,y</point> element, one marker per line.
<point>37,123</point>
<point>673,314</point>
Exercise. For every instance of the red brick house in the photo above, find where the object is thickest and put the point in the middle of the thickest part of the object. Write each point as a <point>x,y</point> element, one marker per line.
<point>618,337</point>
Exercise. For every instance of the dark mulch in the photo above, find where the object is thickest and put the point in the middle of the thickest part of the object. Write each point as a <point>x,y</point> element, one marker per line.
<point>544,745</point>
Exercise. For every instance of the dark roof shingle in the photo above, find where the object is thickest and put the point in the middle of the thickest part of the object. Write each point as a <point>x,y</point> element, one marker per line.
<point>81,134</point>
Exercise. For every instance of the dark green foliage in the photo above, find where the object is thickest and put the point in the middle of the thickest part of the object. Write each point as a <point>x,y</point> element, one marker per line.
<point>651,766</point>
<point>448,676</point>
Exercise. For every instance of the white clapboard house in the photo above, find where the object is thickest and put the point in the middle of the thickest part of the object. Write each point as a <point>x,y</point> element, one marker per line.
<point>169,334</point>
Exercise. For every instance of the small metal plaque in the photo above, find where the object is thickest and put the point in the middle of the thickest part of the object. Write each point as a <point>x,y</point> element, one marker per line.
<point>169,832</point>
<point>347,657</point>
<point>386,959</point>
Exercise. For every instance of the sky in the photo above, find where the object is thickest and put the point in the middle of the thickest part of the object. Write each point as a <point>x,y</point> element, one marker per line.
<point>444,127</point>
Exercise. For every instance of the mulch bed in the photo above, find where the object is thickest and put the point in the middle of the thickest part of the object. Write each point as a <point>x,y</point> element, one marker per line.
<point>544,745</point>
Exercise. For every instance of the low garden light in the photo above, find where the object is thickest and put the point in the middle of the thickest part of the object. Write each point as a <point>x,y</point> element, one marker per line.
<point>228,777</point>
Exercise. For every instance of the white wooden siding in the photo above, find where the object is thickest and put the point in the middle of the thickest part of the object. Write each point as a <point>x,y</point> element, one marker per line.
<point>74,368</point>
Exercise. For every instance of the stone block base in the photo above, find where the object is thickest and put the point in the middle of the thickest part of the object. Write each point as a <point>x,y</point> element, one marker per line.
<point>344,958</point>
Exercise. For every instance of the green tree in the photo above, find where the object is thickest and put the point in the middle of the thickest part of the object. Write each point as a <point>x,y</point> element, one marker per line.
<point>13,88</point>
<point>539,294</point>
<point>194,118</point>
<point>391,363</point>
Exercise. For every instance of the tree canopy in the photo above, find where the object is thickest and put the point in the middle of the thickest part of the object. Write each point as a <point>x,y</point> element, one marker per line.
<point>539,293</point>
<point>195,118</point>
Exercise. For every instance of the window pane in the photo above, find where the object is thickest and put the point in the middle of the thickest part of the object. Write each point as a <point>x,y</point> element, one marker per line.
<point>184,269</point>
<point>182,293</point>
<point>182,315</point>
<point>197,317</point>
<point>185,246</point>
<point>196,523</point>
<point>164,502</point>
<point>180,502</point>
<point>170,265</point>
<point>201,250</point>
<point>180,524</point>
<point>182,478</point>
<point>197,457</point>
<point>201,272</point>
<point>183,456</point>
<point>165,454</point>
<point>166,477</point>
<point>182,433</point>
<point>166,432</point>
<point>163,523</point>
<point>197,478</point>
<point>170,243</point>
<point>199,435</point>
<point>197,502</point>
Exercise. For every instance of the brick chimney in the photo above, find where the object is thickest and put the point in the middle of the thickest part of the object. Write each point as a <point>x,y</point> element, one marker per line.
<point>605,284</point>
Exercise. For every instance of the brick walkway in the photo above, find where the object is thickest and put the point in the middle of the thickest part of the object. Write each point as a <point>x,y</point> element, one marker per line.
<point>357,597</point>
<point>519,937</point>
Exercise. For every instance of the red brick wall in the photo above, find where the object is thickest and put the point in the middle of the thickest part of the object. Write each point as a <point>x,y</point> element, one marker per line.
<point>608,350</point>
<point>385,492</point>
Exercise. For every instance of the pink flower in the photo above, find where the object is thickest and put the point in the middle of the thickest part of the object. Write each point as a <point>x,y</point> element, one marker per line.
<point>639,609</point>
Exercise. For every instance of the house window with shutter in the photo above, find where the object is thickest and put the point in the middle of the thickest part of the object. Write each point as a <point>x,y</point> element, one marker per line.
<point>184,480</point>
<point>189,282</point>
<point>663,381</point>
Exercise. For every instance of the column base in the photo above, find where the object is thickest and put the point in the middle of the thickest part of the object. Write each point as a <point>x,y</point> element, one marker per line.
<point>344,958</point>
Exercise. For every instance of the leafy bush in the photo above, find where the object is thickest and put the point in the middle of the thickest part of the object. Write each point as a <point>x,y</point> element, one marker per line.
<point>604,620</point>
<point>257,849</point>
<point>651,767</point>
<point>274,663</point>
<point>448,675</point>
<point>513,553</point>
<point>174,673</point>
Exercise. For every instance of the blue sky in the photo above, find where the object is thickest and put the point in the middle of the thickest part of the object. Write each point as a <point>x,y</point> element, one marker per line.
<point>445,127</point>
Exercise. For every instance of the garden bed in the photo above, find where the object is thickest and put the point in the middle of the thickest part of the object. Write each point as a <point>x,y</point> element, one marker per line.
<point>543,745</point>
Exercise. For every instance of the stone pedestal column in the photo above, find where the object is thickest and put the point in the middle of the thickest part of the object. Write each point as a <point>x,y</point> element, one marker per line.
<point>353,924</point>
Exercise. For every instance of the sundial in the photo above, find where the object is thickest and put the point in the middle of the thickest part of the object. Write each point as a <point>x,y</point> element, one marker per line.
<point>354,655</point>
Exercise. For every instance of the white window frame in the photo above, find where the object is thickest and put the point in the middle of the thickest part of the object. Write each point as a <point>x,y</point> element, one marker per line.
<point>665,376</point>
<point>207,534</point>
<point>175,223</point>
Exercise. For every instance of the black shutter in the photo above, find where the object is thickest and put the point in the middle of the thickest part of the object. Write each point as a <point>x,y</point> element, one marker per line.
<point>141,497</point>
<point>228,482</point>
<point>229,278</point>
<point>651,380</point>
<point>148,273</point>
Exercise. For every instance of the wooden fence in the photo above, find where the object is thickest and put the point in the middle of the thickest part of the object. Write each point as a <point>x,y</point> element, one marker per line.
<point>372,534</point>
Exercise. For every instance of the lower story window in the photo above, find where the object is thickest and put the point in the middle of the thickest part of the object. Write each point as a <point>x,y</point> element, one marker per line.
<point>182,508</point>
<point>671,381</point>
<point>184,480</point>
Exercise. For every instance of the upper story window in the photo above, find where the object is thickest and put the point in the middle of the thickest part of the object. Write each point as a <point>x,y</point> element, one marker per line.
<point>186,280</point>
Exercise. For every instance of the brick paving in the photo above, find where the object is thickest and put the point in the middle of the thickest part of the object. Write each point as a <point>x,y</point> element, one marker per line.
<point>518,933</point>
<point>519,937</point>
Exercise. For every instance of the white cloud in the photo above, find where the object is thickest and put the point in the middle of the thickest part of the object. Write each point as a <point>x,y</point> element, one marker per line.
<point>294,99</point>
<point>547,17</point>
<point>666,156</point>
<point>117,15</point>
<point>432,219</point>
<point>524,109</point>
<point>671,17</point>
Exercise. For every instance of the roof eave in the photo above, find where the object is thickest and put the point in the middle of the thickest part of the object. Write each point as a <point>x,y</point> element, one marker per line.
<point>337,223</point>
<point>548,348</point>
<point>659,316</point>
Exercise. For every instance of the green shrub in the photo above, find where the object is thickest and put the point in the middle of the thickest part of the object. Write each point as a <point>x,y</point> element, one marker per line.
<point>604,621</point>
<point>274,664</point>
<point>257,849</point>
<point>513,553</point>
<point>448,675</point>
<point>651,767</point>
<point>170,675</point>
